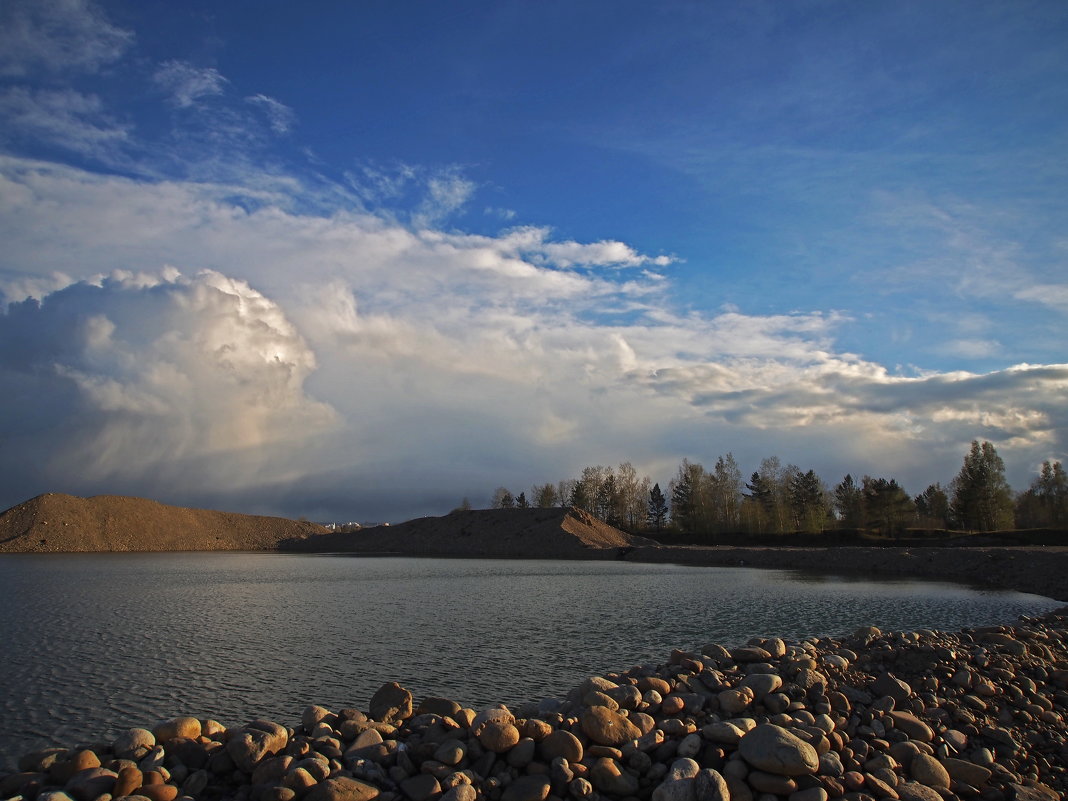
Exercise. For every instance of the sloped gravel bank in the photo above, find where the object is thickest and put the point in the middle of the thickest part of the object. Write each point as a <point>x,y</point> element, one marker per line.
<point>924,716</point>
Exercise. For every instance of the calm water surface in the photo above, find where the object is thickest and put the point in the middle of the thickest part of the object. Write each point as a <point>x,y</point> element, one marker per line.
<point>94,643</point>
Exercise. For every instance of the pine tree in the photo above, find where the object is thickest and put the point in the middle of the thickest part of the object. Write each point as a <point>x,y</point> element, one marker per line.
<point>658,508</point>
<point>886,506</point>
<point>932,507</point>
<point>848,503</point>
<point>521,501</point>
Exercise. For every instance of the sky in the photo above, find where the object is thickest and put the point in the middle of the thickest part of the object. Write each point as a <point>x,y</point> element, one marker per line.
<point>358,261</point>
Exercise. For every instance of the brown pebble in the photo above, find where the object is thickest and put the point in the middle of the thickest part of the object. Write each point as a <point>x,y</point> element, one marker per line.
<point>129,780</point>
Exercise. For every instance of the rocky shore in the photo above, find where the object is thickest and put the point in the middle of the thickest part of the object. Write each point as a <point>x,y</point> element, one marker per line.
<point>916,716</point>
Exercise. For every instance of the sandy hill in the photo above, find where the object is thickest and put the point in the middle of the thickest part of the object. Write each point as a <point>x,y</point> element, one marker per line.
<point>55,522</point>
<point>520,533</point>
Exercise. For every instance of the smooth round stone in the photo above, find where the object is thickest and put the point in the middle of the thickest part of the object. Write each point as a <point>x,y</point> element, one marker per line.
<point>450,752</point>
<point>606,727</point>
<point>598,698</point>
<point>683,768</point>
<point>709,785</point>
<point>87,784</point>
<point>522,754</point>
<point>927,770</point>
<point>527,788</point>
<point>628,696</point>
<point>733,702</point>
<point>749,653</point>
<point>690,746</point>
<point>810,794</point>
<point>313,715</point>
<point>968,772</point>
<point>762,684</point>
<point>561,744</point>
<point>672,705</point>
<point>911,725</point>
<point>607,776</point>
<point>133,743</point>
<point>299,781</point>
<point>727,732</point>
<point>655,683</point>
<point>498,737</point>
<point>128,780</point>
<point>176,727</point>
<point>773,749</point>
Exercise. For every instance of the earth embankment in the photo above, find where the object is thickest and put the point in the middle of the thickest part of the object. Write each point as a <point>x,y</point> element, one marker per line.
<point>1039,570</point>
<point>552,533</point>
<point>66,523</point>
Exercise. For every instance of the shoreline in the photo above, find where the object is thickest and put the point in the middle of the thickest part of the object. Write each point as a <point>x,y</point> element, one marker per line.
<point>1038,570</point>
<point>927,716</point>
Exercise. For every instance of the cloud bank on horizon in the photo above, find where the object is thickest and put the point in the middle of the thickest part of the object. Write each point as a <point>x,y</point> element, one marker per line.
<point>364,266</point>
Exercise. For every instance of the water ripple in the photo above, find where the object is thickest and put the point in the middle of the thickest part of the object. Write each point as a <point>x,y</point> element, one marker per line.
<point>95,643</point>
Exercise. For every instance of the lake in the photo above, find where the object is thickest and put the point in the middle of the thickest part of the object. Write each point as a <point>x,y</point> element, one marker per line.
<point>94,643</point>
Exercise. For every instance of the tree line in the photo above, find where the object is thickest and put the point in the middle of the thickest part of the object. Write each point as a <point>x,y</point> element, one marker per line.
<point>784,499</point>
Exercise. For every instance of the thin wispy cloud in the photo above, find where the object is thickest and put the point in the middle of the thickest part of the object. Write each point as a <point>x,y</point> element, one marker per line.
<point>57,35</point>
<point>186,84</point>
<point>280,116</point>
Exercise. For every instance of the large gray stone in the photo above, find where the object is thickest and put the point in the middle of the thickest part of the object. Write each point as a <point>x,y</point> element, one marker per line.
<point>927,770</point>
<point>709,785</point>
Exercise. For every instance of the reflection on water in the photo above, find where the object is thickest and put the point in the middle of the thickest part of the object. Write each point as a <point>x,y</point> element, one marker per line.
<point>93,643</point>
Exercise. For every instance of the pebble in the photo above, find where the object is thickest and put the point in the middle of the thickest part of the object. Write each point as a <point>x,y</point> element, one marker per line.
<point>917,716</point>
<point>773,749</point>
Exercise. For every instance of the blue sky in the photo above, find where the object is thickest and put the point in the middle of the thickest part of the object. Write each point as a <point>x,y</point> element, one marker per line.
<point>359,260</point>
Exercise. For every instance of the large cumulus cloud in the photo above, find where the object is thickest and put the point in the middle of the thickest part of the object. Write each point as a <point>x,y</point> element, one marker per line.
<point>134,379</point>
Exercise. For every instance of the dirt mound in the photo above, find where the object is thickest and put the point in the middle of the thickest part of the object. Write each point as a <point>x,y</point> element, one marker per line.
<point>56,523</point>
<point>517,533</point>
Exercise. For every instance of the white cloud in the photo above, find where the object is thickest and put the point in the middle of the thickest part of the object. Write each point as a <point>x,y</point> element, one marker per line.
<point>159,371</point>
<point>187,84</point>
<point>457,360</point>
<point>63,117</point>
<point>280,117</point>
<point>57,35</point>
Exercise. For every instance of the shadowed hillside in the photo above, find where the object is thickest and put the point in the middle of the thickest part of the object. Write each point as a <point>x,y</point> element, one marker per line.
<point>521,533</point>
<point>57,523</point>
